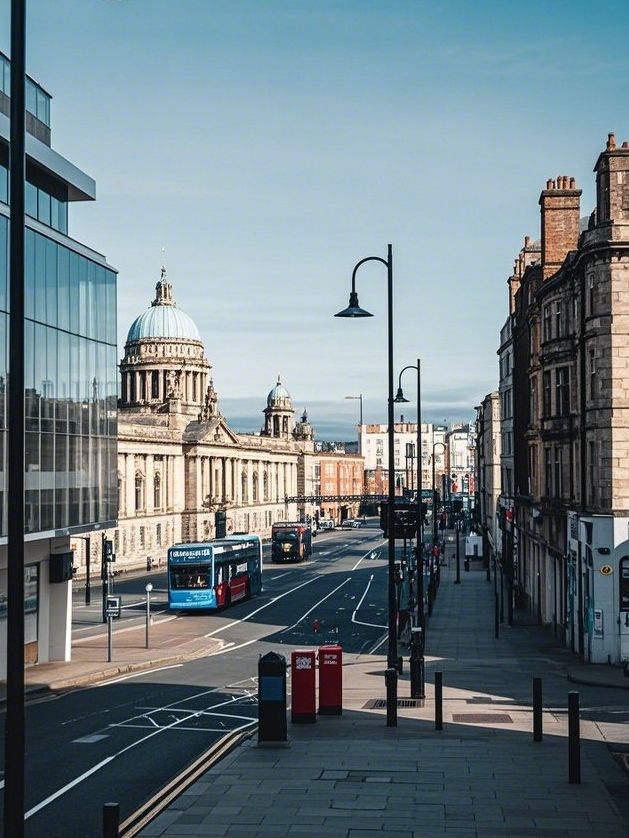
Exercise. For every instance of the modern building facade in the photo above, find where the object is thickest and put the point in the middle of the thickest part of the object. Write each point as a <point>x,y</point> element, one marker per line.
<point>70,359</point>
<point>374,447</point>
<point>183,474</point>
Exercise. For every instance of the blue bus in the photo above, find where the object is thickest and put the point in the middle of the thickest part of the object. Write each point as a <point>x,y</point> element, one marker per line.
<point>213,574</point>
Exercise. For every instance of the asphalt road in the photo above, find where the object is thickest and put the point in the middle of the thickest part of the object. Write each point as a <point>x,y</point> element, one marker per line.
<point>124,739</point>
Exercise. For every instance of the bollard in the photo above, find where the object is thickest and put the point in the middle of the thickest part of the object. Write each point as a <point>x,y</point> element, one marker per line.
<point>390,679</point>
<point>537,709</point>
<point>272,698</point>
<point>417,663</point>
<point>111,820</point>
<point>574,743</point>
<point>438,700</point>
<point>400,664</point>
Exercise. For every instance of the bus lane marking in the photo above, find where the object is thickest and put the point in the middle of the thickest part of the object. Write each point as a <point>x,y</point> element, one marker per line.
<point>316,605</point>
<point>262,607</point>
<point>362,622</point>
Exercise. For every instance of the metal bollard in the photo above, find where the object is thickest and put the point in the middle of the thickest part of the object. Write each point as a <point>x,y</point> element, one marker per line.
<point>418,689</point>
<point>537,709</point>
<point>111,820</point>
<point>574,742</point>
<point>438,700</point>
<point>390,679</point>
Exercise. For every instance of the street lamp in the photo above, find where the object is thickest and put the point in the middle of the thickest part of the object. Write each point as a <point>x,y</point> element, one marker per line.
<point>355,398</point>
<point>399,398</point>
<point>14,743</point>
<point>354,310</point>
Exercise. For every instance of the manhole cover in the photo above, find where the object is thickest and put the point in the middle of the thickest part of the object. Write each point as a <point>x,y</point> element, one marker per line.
<point>483,718</point>
<point>381,703</point>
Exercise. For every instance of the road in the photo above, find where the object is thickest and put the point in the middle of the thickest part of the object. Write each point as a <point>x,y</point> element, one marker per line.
<point>124,739</point>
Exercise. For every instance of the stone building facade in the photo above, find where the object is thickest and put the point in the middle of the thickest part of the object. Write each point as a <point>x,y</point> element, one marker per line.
<point>570,301</point>
<point>179,462</point>
<point>488,442</point>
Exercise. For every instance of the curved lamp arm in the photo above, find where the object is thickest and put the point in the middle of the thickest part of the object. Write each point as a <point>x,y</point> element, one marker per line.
<point>362,262</point>
<point>399,380</point>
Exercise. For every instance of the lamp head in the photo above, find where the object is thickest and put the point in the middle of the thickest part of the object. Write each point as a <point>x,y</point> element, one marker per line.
<point>353,309</point>
<point>399,396</point>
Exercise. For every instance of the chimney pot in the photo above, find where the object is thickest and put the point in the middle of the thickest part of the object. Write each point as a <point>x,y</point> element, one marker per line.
<point>625,144</point>
<point>573,183</point>
<point>527,240</point>
<point>549,184</point>
<point>611,142</point>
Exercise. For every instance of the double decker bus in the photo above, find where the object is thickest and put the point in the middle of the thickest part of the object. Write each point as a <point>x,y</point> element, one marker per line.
<point>213,574</point>
<point>291,542</point>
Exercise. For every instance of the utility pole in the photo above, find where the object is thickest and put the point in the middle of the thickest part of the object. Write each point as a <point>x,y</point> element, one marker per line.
<point>14,740</point>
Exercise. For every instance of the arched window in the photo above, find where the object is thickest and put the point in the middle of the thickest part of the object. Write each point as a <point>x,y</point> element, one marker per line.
<point>266,485</point>
<point>255,487</point>
<point>155,385</point>
<point>157,491</point>
<point>243,484</point>
<point>139,492</point>
<point>276,426</point>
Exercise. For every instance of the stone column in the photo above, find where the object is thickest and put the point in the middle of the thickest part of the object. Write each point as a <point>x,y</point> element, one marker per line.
<point>148,484</point>
<point>130,485</point>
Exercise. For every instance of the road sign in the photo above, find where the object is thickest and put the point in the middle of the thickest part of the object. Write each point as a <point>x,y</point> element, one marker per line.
<point>112,606</point>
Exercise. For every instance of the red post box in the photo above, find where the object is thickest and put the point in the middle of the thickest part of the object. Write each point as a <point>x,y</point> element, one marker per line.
<point>303,703</point>
<point>331,680</point>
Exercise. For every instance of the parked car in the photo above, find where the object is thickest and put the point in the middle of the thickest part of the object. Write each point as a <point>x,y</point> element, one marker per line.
<point>348,524</point>
<point>326,524</point>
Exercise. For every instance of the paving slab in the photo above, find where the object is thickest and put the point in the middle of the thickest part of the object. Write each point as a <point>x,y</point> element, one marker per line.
<point>353,776</point>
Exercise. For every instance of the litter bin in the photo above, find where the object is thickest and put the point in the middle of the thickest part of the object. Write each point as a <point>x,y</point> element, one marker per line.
<point>331,680</point>
<point>303,687</point>
<point>272,698</point>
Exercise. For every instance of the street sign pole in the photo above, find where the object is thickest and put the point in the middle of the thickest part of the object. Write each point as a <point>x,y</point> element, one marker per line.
<point>149,588</point>
<point>109,618</point>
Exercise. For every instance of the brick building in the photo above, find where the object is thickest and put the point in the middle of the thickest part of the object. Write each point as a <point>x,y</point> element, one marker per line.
<point>340,474</point>
<point>569,302</point>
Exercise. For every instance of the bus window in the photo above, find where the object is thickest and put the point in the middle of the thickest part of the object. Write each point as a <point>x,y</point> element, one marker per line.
<point>219,574</point>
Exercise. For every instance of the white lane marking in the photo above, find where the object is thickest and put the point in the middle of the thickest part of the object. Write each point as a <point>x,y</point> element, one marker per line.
<point>137,674</point>
<point>362,622</point>
<point>231,648</point>
<point>273,578</point>
<point>262,607</point>
<point>316,605</point>
<point>69,786</point>
<point>368,553</point>
<point>60,792</point>
<point>379,643</point>
<point>90,738</point>
<point>140,624</point>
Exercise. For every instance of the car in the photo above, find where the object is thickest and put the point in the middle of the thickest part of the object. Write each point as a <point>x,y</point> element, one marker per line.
<point>347,524</point>
<point>326,524</point>
<point>356,523</point>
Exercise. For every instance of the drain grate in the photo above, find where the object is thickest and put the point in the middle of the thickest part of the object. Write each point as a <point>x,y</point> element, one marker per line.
<point>381,703</point>
<point>483,718</point>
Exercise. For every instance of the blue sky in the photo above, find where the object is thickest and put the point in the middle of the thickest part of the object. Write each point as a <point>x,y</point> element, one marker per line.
<point>269,145</point>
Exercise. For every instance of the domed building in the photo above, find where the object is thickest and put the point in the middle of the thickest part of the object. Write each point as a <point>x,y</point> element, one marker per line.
<point>179,463</point>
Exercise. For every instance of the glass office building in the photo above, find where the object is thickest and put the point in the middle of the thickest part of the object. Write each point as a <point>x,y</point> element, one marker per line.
<point>71,374</point>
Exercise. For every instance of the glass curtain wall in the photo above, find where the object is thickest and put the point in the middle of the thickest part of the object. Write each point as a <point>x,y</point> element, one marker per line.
<point>70,386</point>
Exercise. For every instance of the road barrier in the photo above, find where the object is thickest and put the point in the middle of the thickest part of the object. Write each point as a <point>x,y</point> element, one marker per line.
<point>111,820</point>
<point>438,700</point>
<point>574,740</point>
<point>537,709</point>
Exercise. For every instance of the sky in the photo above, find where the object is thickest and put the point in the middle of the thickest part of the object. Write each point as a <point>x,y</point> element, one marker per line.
<point>269,145</point>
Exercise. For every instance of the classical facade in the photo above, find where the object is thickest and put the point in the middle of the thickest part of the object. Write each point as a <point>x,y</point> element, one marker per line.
<point>569,298</point>
<point>183,474</point>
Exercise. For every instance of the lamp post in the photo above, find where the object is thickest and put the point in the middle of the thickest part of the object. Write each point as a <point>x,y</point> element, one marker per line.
<point>14,742</point>
<point>399,398</point>
<point>354,310</point>
<point>358,397</point>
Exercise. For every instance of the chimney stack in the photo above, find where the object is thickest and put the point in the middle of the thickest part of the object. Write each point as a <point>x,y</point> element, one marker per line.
<point>560,206</point>
<point>612,184</point>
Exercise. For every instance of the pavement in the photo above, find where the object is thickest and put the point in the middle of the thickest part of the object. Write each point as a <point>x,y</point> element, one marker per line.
<point>172,640</point>
<point>482,775</point>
